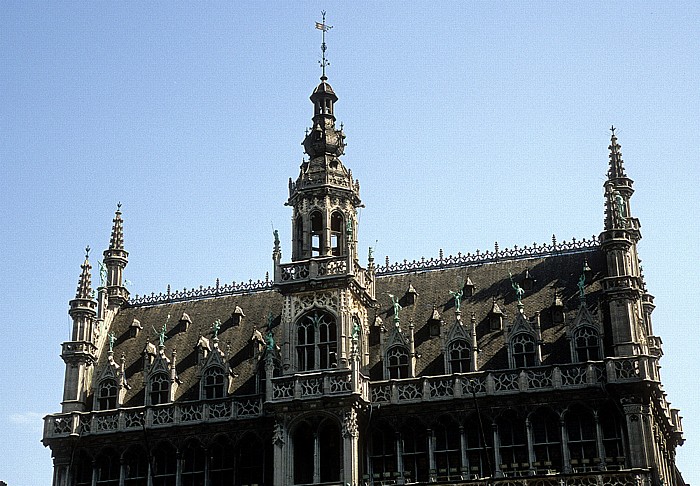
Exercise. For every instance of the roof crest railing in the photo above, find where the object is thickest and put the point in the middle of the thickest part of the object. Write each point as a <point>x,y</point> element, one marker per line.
<point>490,256</point>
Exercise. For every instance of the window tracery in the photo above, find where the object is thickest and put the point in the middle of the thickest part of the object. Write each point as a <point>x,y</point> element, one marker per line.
<point>317,342</point>
<point>586,344</point>
<point>107,394</point>
<point>213,383</point>
<point>397,362</point>
<point>523,350</point>
<point>459,356</point>
<point>159,389</point>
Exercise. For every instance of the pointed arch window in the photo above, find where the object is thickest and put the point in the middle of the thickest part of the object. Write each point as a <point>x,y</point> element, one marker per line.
<point>415,454</point>
<point>298,238</point>
<point>107,465</point>
<point>107,395</point>
<point>317,452</point>
<point>135,467</point>
<point>479,455</point>
<point>213,381</point>
<point>447,447</point>
<point>546,441</point>
<point>523,350</point>
<point>586,344</point>
<point>581,434</point>
<point>611,428</point>
<point>317,341</point>
<point>512,445</point>
<point>159,389</point>
<point>82,470</point>
<point>317,247</point>
<point>164,465</point>
<point>459,356</point>
<point>397,362</point>
<point>193,459</point>
<point>336,233</point>
<point>383,452</point>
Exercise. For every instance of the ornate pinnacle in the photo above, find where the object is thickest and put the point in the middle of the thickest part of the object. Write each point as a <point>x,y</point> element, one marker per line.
<point>85,281</point>
<point>617,169</point>
<point>116,242</point>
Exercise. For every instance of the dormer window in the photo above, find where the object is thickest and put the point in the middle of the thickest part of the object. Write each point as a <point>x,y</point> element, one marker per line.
<point>316,234</point>
<point>107,395</point>
<point>213,383</point>
<point>159,389</point>
<point>397,362</point>
<point>459,359</point>
<point>523,350</point>
<point>586,344</point>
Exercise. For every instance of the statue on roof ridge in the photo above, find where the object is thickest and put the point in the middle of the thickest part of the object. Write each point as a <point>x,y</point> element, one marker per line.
<point>519,292</point>
<point>458,299</point>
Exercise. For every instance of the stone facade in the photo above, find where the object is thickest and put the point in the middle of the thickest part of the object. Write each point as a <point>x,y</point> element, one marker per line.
<point>529,366</point>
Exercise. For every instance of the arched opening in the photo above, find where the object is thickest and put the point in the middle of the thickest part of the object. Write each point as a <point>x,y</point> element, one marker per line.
<point>613,445</point>
<point>107,395</point>
<point>479,457</point>
<point>586,344</point>
<point>330,451</point>
<point>108,465</point>
<point>317,246</point>
<point>304,443</point>
<point>397,363</point>
<point>252,459</point>
<point>523,350</point>
<point>193,460</point>
<point>221,467</point>
<point>459,356</point>
<point>317,341</point>
<point>337,234</point>
<point>164,465</point>
<point>581,432</point>
<point>213,383</point>
<point>298,238</point>
<point>546,441</point>
<point>135,467</point>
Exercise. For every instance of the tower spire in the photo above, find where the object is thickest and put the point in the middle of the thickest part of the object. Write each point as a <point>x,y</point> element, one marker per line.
<point>323,28</point>
<point>85,281</point>
<point>617,168</point>
<point>116,241</point>
<point>115,260</point>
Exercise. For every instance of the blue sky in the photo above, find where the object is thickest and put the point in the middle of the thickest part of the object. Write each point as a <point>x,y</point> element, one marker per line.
<point>467,123</point>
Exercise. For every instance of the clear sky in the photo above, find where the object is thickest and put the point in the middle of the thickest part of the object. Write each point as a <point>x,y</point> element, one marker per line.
<point>467,123</point>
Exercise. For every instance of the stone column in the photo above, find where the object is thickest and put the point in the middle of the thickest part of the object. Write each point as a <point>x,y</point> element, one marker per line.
<point>635,433</point>
<point>351,455</point>
<point>280,452</point>
<point>530,446</point>
<point>496,451</point>
<point>431,456</point>
<point>565,455</point>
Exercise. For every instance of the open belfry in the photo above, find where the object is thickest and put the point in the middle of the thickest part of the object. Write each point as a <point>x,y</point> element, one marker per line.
<point>532,366</point>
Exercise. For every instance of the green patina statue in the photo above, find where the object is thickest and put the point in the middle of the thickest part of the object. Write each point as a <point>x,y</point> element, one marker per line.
<point>216,326</point>
<point>582,288</point>
<point>370,253</point>
<point>112,339</point>
<point>269,341</point>
<point>355,331</point>
<point>620,206</point>
<point>348,228</point>
<point>103,274</point>
<point>458,299</point>
<point>396,305</point>
<point>276,234</point>
<point>161,333</point>
<point>519,292</point>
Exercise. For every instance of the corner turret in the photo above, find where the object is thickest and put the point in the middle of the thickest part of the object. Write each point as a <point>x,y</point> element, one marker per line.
<point>115,260</point>
<point>80,353</point>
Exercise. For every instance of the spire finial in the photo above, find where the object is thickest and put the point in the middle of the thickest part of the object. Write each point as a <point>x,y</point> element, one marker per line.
<point>117,238</point>
<point>323,28</point>
<point>84,290</point>
<point>87,252</point>
<point>617,168</point>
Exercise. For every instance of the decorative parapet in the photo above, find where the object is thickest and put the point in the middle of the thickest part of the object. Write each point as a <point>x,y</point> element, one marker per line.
<point>328,266</point>
<point>306,386</point>
<point>137,418</point>
<point>508,382</point>
<point>516,253</point>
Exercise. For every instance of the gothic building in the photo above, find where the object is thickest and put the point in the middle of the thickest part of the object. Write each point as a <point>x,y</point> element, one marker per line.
<point>528,366</point>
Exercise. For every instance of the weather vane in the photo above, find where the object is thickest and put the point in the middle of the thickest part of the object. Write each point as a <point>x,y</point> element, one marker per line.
<point>323,28</point>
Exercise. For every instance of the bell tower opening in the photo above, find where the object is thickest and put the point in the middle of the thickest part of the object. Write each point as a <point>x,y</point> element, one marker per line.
<point>317,246</point>
<point>337,234</point>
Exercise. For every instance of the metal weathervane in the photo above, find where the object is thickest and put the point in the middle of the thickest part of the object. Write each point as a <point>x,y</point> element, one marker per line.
<point>323,28</point>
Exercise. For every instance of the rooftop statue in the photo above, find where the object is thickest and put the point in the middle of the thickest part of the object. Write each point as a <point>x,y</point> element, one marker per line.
<point>216,326</point>
<point>619,206</point>
<point>582,288</point>
<point>161,333</point>
<point>112,338</point>
<point>397,307</point>
<point>103,274</point>
<point>458,299</point>
<point>277,237</point>
<point>519,292</point>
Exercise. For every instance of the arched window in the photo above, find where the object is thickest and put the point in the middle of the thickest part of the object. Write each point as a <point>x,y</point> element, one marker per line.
<point>397,362</point>
<point>213,383</point>
<point>317,342</point>
<point>382,453</point>
<point>611,427</point>
<point>107,465</point>
<point>135,467</point>
<point>415,454</point>
<point>336,234</point>
<point>322,438</point>
<point>479,456</point>
<point>581,431</point>
<point>164,465</point>
<point>298,238</point>
<point>159,389</point>
<point>523,350</point>
<point>586,344</point>
<point>447,448</point>
<point>512,444</point>
<point>193,459</point>
<point>253,460</point>
<point>459,358</point>
<point>107,395</point>
<point>317,248</point>
<point>546,441</point>
<point>82,469</point>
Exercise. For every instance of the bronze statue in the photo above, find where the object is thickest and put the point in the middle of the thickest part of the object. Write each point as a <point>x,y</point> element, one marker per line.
<point>519,292</point>
<point>458,299</point>
<point>216,325</point>
<point>112,338</point>
<point>396,305</point>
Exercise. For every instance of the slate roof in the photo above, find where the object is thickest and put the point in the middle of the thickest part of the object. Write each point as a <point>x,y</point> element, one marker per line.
<point>491,280</point>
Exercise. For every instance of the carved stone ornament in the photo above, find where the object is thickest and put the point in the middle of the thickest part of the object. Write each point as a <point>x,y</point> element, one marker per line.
<point>278,434</point>
<point>350,428</point>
